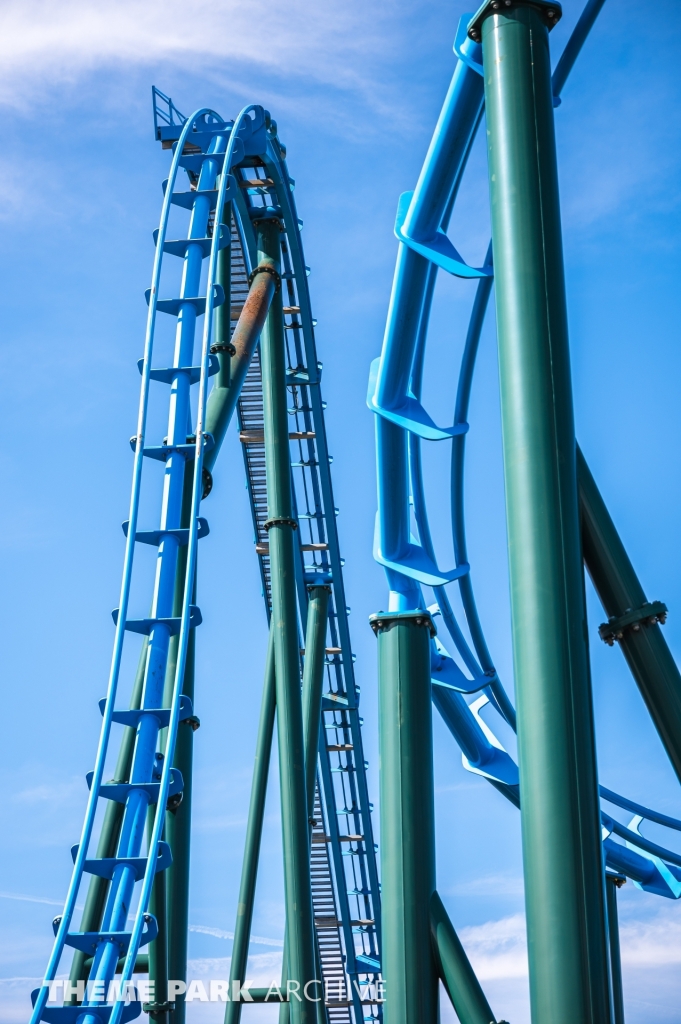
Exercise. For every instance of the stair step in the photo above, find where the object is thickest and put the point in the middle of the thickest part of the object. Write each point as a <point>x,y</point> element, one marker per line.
<point>187,199</point>
<point>174,306</point>
<point>145,626</point>
<point>87,942</point>
<point>178,246</point>
<point>120,791</point>
<point>168,374</point>
<point>132,716</point>
<point>71,1014</point>
<point>154,537</point>
<point>162,452</point>
<point>104,867</point>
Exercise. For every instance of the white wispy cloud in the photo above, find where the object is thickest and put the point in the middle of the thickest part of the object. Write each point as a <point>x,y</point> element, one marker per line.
<point>490,885</point>
<point>25,898</point>
<point>220,934</point>
<point>261,968</point>
<point>498,949</point>
<point>655,942</point>
<point>56,793</point>
<point>43,44</point>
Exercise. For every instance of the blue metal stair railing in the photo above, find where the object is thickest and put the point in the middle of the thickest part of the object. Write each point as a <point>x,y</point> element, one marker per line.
<point>263,182</point>
<point>218,144</point>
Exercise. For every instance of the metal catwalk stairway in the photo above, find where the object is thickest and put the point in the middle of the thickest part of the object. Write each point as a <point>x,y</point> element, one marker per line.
<point>343,859</point>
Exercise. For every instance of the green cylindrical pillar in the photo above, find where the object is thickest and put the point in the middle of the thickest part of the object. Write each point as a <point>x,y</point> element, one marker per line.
<point>179,819</point>
<point>612,884</point>
<point>281,528</point>
<point>256,814</point>
<point>563,867</point>
<point>222,317</point>
<point>407,816</point>
<point>313,681</point>
<point>158,949</point>
<point>619,589</point>
<point>456,972</point>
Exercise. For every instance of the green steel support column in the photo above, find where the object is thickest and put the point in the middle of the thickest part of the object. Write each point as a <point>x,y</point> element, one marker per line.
<point>158,949</point>
<point>111,829</point>
<point>612,884</point>
<point>618,587</point>
<point>256,814</point>
<point>407,816</point>
<point>281,529</point>
<point>222,328</point>
<point>178,836</point>
<point>564,887</point>
<point>456,972</point>
<point>313,681</point>
<point>178,820</point>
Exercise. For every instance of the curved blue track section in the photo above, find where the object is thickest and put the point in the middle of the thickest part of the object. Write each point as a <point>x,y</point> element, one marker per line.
<point>402,423</point>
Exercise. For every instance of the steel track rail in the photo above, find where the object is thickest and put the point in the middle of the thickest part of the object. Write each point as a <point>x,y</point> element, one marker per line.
<point>483,754</point>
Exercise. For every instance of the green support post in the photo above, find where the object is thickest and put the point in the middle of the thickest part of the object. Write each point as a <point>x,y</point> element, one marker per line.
<point>179,817</point>
<point>564,887</point>
<point>612,884</point>
<point>110,834</point>
<point>158,949</point>
<point>256,815</point>
<point>222,318</point>
<point>463,987</point>
<point>281,528</point>
<point>620,592</point>
<point>313,681</point>
<point>418,938</point>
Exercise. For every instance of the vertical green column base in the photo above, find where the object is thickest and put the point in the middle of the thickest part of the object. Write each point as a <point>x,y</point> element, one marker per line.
<point>407,816</point>
<point>612,884</point>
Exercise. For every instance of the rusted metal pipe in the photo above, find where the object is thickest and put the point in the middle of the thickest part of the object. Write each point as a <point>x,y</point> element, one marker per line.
<point>222,400</point>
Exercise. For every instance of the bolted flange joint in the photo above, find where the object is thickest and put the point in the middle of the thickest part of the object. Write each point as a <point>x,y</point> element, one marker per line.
<point>157,1009</point>
<point>647,615</point>
<point>381,621</point>
<point>550,13</point>
<point>280,521</point>
<point>264,268</point>
<point>225,346</point>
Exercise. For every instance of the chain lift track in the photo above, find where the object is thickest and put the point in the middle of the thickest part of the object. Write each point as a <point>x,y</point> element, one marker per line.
<point>238,166</point>
<point>349,868</point>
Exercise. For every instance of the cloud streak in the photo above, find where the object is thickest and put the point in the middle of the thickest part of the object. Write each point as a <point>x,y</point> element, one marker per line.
<point>25,898</point>
<point>498,949</point>
<point>218,933</point>
<point>43,44</point>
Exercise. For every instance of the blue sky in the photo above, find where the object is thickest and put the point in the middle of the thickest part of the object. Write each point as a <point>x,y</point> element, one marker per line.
<point>355,88</point>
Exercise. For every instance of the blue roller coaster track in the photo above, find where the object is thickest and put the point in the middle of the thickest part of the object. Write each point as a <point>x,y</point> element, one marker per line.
<point>240,166</point>
<point>402,423</point>
<point>238,178</point>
